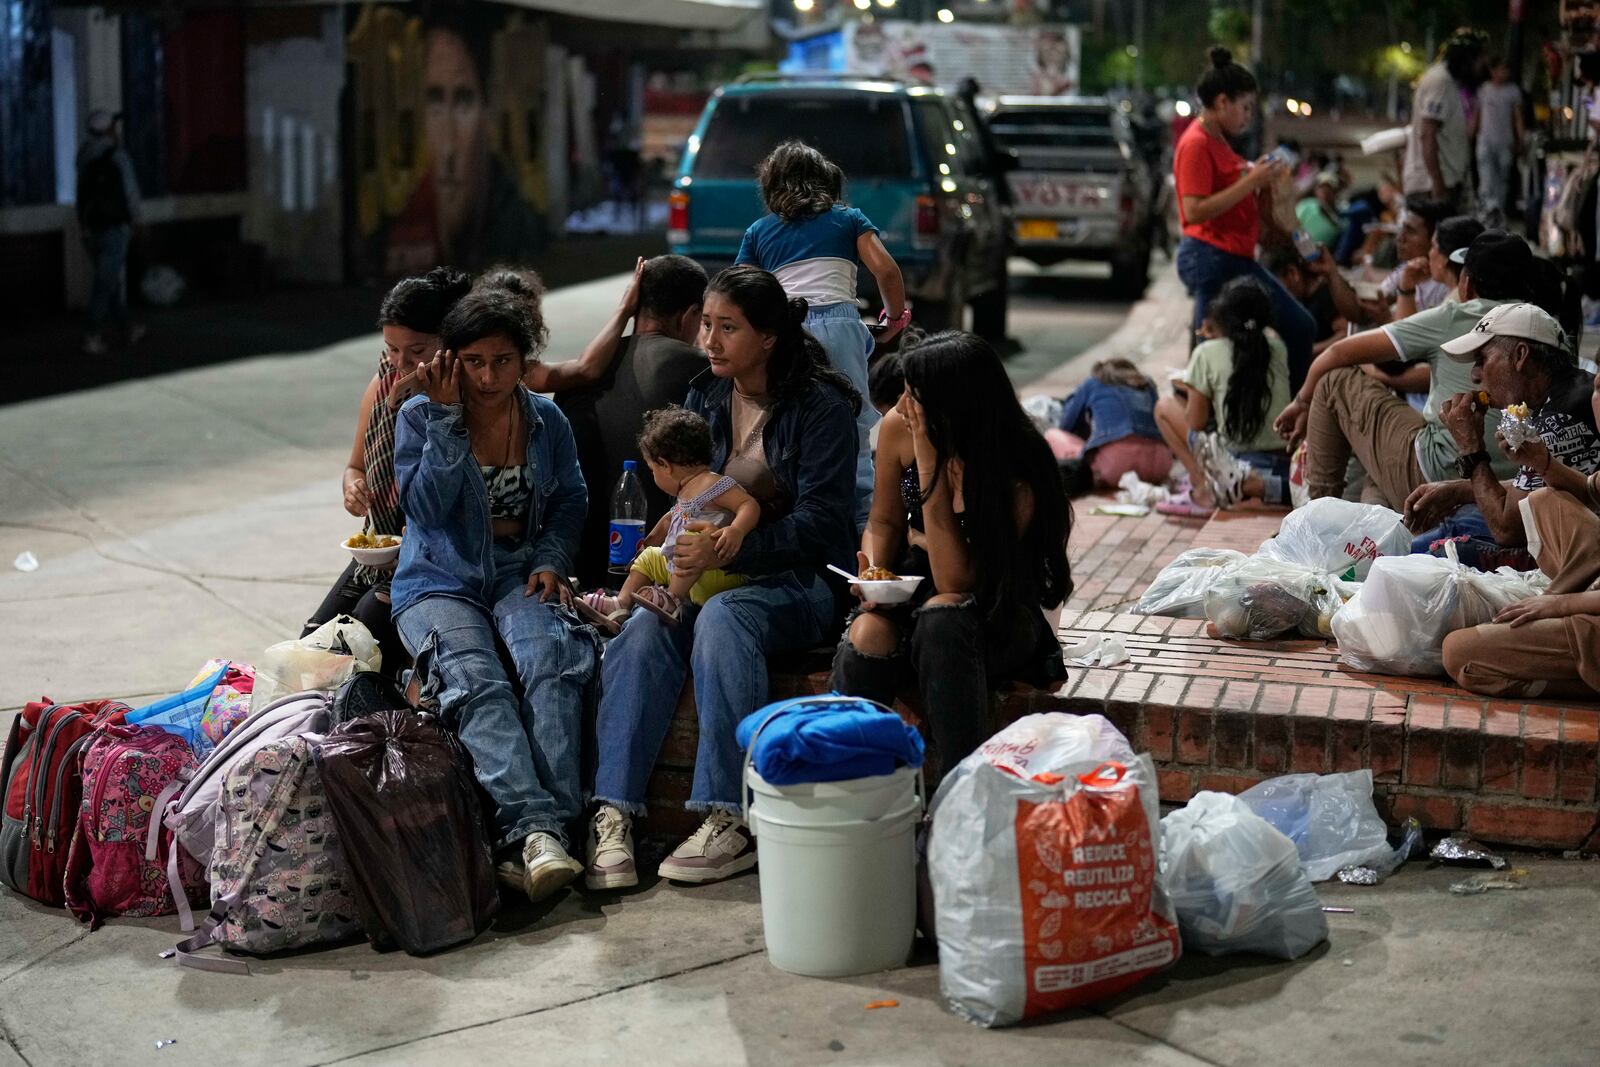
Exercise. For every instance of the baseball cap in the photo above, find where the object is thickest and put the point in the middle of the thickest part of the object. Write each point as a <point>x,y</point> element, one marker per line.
<point>1455,235</point>
<point>1525,322</point>
<point>100,121</point>
<point>1498,246</point>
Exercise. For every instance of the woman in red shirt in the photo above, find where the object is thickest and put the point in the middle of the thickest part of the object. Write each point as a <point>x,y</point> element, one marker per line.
<point>1217,205</point>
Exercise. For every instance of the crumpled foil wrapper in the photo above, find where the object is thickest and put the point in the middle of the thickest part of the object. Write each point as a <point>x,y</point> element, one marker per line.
<point>1358,876</point>
<point>1459,848</point>
<point>1517,432</point>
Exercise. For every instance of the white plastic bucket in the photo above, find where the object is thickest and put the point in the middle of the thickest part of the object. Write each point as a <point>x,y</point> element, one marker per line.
<point>823,803</point>
<point>838,869</point>
<point>837,898</point>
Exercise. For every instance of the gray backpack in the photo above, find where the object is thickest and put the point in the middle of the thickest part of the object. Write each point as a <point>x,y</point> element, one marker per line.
<point>277,876</point>
<point>192,814</point>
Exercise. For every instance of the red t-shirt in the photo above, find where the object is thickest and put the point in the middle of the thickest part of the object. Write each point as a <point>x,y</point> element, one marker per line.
<point>1202,165</point>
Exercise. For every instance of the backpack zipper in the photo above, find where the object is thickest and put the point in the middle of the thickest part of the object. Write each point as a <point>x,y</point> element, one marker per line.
<point>41,773</point>
<point>61,776</point>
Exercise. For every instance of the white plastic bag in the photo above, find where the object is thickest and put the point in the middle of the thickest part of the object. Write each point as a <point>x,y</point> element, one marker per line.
<point>1329,817</point>
<point>1397,622</point>
<point>1261,598</point>
<point>1045,411</point>
<point>1334,536</point>
<point>1180,589</point>
<point>322,660</point>
<point>1043,862</point>
<point>1236,882</point>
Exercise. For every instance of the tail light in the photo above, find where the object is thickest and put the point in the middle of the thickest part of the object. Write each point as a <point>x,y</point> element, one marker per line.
<point>678,218</point>
<point>926,233</point>
<point>1128,208</point>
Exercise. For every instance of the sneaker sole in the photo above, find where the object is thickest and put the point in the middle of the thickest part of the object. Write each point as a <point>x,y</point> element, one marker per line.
<point>702,875</point>
<point>547,880</point>
<point>614,880</point>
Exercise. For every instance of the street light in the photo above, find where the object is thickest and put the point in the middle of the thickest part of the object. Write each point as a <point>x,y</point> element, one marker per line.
<point>1182,108</point>
<point>946,15</point>
<point>886,3</point>
<point>1305,109</point>
<point>863,5</point>
<point>1292,104</point>
<point>804,5</point>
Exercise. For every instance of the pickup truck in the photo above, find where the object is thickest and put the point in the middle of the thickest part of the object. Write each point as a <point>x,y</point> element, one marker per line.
<point>1081,189</point>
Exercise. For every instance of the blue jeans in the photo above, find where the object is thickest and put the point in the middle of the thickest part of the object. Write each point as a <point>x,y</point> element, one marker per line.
<point>1204,269</point>
<point>524,728</point>
<point>1480,550</point>
<point>1274,470</point>
<point>108,295</point>
<point>838,328</point>
<point>725,644</point>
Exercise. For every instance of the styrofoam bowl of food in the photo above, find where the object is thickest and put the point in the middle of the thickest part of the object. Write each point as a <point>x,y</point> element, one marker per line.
<point>373,550</point>
<point>894,589</point>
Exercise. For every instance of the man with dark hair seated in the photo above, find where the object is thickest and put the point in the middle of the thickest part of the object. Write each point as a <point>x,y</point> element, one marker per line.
<point>1549,645</point>
<point>606,391</point>
<point>1319,286</point>
<point>1418,220</point>
<point>1341,411</point>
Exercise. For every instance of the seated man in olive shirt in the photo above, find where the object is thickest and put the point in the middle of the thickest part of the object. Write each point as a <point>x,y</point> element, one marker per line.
<point>606,392</point>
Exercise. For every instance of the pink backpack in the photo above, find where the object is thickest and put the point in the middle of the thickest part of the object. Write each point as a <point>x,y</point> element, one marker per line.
<point>117,864</point>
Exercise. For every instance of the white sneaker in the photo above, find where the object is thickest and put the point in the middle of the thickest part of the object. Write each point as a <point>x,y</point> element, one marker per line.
<point>547,867</point>
<point>721,848</point>
<point>1225,473</point>
<point>611,851</point>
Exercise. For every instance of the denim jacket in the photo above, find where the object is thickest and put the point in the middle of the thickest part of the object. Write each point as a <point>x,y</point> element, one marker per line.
<point>1115,412</point>
<point>810,444</point>
<point>448,549</point>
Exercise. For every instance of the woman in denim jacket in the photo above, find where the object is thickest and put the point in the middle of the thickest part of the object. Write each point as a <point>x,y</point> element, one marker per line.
<point>783,427</point>
<point>494,500</point>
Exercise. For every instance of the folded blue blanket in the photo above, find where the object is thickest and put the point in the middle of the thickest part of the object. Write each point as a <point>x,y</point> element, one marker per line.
<point>827,739</point>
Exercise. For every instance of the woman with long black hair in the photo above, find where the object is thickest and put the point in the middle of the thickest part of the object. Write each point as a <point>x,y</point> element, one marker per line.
<point>1240,378</point>
<point>968,494</point>
<point>783,427</point>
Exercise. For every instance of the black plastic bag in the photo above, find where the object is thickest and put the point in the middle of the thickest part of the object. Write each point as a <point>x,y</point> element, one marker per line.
<point>402,793</point>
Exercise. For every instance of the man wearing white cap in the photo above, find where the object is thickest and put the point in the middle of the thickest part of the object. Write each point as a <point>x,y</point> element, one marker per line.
<point>1549,645</point>
<point>108,205</point>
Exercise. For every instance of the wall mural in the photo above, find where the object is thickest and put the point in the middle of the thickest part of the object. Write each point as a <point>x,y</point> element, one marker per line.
<point>447,113</point>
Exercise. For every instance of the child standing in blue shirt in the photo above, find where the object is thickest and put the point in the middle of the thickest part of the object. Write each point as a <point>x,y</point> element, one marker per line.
<point>814,246</point>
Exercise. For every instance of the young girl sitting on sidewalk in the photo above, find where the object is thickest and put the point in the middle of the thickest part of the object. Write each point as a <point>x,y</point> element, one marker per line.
<point>814,246</point>
<point>1241,377</point>
<point>1118,405</point>
<point>676,444</point>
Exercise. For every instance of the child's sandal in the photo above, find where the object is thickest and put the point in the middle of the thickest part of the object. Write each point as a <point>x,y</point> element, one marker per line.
<point>655,599</point>
<point>591,608</point>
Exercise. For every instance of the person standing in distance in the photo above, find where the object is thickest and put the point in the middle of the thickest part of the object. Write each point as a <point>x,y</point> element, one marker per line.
<point>108,206</point>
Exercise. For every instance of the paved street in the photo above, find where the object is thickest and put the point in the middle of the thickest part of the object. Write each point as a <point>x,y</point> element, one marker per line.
<point>196,514</point>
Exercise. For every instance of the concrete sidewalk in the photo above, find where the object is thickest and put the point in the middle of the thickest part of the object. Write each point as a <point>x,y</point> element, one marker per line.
<point>676,976</point>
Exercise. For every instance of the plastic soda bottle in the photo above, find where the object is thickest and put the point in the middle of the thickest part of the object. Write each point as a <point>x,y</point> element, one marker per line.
<point>627,518</point>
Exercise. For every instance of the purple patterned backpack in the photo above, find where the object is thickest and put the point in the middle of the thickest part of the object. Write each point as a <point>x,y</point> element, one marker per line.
<point>277,875</point>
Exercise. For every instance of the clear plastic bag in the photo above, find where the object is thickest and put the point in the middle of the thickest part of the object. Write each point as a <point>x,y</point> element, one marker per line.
<point>1329,817</point>
<point>1261,598</point>
<point>1397,622</point>
<point>322,660</point>
<point>1335,537</point>
<point>1236,881</point>
<point>1180,589</point>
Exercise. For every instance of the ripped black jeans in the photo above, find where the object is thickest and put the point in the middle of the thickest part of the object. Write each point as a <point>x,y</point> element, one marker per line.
<point>957,657</point>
